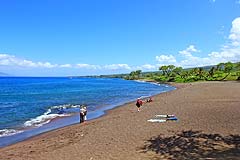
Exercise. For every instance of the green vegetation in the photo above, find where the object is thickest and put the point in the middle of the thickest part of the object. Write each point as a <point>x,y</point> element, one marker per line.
<point>170,73</point>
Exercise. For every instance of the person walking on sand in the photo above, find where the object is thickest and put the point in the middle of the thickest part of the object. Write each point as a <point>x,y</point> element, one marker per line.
<point>83,114</point>
<point>139,104</point>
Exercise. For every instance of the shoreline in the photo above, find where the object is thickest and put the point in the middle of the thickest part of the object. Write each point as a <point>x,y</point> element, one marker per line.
<point>122,131</point>
<point>58,123</point>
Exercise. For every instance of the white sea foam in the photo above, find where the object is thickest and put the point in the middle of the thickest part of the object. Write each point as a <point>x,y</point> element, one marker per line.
<point>65,106</point>
<point>144,97</point>
<point>43,119</point>
<point>140,81</point>
<point>47,116</point>
<point>8,132</point>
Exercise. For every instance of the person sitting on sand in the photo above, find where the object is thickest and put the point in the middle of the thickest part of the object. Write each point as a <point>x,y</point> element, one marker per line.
<point>139,103</point>
<point>149,99</point>
<point>83,114</point>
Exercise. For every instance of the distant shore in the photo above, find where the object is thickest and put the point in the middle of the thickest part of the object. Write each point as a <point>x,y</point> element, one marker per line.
<point>208,127</point>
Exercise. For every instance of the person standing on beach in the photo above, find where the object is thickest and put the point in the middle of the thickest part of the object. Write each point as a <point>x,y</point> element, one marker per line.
<point>83,114</point>
<point>139,104</point>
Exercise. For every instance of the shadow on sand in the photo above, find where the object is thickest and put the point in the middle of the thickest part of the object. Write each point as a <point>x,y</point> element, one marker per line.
<point>194,145</point>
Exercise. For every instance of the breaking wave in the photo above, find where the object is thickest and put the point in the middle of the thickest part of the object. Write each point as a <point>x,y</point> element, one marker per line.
<point>52,113</point>
<point>8,132</point>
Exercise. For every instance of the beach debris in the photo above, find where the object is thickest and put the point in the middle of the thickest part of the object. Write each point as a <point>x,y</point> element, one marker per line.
<point>163,118</point>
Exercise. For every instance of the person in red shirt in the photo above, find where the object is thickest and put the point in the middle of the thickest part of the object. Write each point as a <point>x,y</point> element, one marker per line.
<point>139,104</point>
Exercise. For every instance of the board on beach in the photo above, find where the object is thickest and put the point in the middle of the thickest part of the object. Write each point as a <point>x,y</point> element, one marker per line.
<point>163,118</point>
<point>165,115</point>
<point>157,120</point>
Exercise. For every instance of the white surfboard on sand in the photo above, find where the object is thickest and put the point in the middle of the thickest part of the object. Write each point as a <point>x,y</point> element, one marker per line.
<point>165,115</point>
<point>157,120</point>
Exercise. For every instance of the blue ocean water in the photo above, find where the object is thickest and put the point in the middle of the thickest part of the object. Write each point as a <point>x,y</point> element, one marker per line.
<point>30,103</point>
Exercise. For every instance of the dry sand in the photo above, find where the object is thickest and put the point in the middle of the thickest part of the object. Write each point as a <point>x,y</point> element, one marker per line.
<point>208,128</point>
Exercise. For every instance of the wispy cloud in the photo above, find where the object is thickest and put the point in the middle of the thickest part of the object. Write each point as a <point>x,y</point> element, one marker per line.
<point>65,66</point>
<point>88,66</point>
<point>11,60</point>
<point>188,51</point>
<point>234,36</point>
<point>166,59</point>
<point>229,52</point>
<point>191,56</point>
<point>148,67</point>
<point>117,67</point>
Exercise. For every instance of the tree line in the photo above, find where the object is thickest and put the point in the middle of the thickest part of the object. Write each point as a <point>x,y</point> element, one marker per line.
<point>171,73</point>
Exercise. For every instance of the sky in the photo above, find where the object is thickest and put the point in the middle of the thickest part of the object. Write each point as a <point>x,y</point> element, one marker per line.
<point>95,37</point>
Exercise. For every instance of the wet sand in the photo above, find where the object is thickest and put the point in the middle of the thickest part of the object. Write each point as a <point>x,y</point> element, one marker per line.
<point>208,128</point>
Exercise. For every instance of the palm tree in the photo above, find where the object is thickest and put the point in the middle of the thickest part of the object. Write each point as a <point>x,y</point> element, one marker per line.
<point>228,67</point>
<point>220,66</point>
<point>132,75</point>
<point>138,73</point>
<point>201,72</point>
<point>211,72</point>
<point>238,66</point>
<point>184,74</point>
<point>170,69</point>
<point>163,69</point>
<point>195,71</point>
<point>238,72</point>
<point>178,70</point>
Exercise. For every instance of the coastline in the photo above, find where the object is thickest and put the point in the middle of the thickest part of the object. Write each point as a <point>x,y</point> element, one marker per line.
<point>59,122</point>
<point>123,132</point>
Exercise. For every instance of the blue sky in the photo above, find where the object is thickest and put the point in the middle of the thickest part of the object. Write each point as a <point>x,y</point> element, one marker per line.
<point>93,37</point>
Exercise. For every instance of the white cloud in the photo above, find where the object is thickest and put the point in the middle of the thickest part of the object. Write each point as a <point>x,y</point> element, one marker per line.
<point>88,66</point>
<point>229,52</point>
<point>10,60</point>
<point>148,67</point>
<point>234,36</point>
<point>191,57</point>
<point>196,62</point>
<point>145,67</point>
<point>117,67</point>
<point>65,66</point>
<point>166,59</point>
<point>238,2</point>
<point>188,52</point>
<point>13,61</point>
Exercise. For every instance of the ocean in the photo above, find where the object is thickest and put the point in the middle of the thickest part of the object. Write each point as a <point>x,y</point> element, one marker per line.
<point>30,106</point>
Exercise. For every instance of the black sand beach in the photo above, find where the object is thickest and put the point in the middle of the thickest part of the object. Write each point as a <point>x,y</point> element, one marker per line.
<point>208,128</point>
